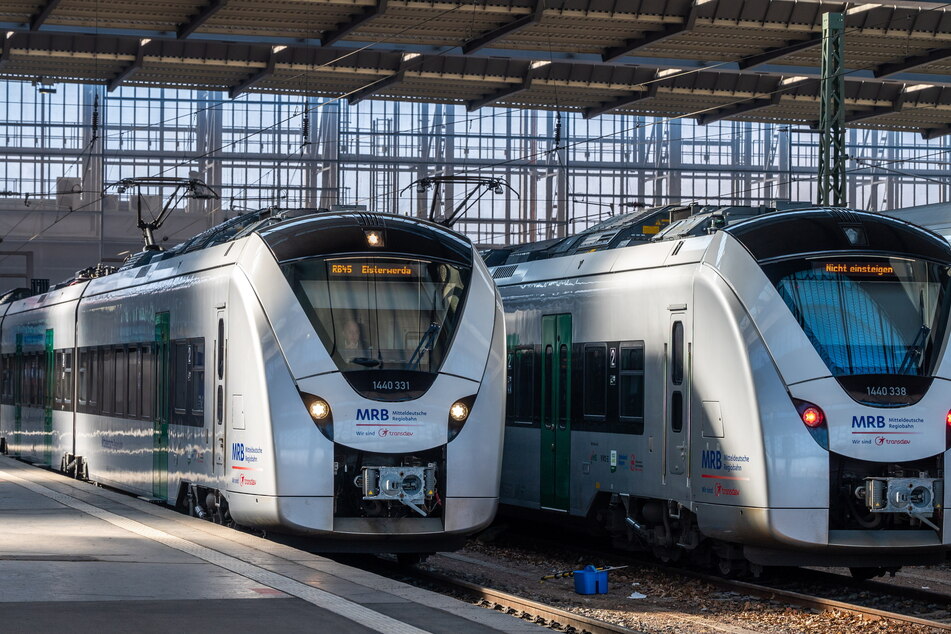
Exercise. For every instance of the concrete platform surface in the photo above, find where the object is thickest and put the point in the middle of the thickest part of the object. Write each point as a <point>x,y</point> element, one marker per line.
<point>77,558</point>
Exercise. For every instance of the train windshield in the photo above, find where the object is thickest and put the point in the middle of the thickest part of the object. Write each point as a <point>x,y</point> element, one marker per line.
<point>381,313</point>
<point>868,315</point>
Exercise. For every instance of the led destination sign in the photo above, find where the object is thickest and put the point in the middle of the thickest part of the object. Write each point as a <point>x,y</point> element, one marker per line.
<point>867,269</point>
<point>384,270</point>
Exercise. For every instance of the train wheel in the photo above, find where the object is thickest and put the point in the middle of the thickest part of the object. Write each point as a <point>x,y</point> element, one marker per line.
<point>410,559</point>
<point>864,574</point>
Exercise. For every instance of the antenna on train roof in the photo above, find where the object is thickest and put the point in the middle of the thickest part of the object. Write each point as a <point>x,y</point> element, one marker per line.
<point>184,188</point>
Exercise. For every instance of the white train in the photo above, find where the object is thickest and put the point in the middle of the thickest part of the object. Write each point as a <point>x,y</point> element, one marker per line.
<point>332,374</point>
<point>765,390</point>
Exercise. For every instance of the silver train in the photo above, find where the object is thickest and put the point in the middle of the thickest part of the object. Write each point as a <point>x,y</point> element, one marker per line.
<point>739,387</point>
<point>330,374</point>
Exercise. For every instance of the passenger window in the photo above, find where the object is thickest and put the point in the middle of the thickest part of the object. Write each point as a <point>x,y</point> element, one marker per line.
<point>525,384</point>
<point>221,349</point>
<point>677,411</point>
<point>631,392</point>
<point>595,380</point>
<point>677,353</point>
<point>122,381</point>
<point>148,381</point>
<point>67,379</point>
<point>188,395</point>
<point>563,387</point>
<point>108,380</point>
<point>135,387</point>
<point>547,369</point>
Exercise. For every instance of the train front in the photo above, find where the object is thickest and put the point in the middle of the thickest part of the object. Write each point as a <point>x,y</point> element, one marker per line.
<point>853,308</point>
<point>392,331</point>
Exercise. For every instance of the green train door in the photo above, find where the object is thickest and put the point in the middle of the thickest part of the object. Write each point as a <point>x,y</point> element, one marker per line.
<point>555,411</point>
<point>50,370</point>
<point>161,417</point>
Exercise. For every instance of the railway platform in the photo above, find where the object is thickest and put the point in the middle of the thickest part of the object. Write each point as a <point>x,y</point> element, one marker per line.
<point>79,558</point>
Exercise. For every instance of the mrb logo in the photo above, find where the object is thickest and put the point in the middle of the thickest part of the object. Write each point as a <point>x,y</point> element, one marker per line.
<point>868,422</point>
<point>711,460</point>
<point>373,413</point>
<point>237,451</point>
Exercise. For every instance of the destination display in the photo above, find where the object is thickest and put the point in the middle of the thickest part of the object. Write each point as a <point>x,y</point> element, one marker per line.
<point>857,269</point>
<point>353,269</point>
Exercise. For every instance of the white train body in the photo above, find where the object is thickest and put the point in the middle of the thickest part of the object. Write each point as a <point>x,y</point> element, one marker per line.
<point>692,365</point>
<point>217,364</point>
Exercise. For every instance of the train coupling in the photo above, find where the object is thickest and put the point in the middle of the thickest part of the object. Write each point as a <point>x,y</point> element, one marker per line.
<point>918,497</point>
<point>411,486</point>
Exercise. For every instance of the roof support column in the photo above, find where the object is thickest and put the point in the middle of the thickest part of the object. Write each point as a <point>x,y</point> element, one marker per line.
<point>832,113</point>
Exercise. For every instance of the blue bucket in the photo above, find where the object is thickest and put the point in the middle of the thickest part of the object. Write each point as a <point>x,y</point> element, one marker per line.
<point>591,581</point>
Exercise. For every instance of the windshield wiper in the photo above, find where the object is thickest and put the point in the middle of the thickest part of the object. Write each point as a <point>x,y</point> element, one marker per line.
<point>426,343</point>
<point>366,362</point>
<point>913,354</point>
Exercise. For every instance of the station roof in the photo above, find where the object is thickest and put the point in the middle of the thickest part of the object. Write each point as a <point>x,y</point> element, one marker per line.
<point>709,59</point>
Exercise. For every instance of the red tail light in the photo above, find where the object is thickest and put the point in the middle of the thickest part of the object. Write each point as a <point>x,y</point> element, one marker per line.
<point>813,417</point>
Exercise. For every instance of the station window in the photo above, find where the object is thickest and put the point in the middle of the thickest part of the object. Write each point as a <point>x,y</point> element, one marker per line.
<point>631,392</point>
<point>595,380</point>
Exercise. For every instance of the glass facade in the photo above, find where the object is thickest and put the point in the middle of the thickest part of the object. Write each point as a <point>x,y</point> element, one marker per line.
<point>63,148</point>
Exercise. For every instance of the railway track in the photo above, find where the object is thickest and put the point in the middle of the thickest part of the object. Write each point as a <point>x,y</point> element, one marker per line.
<point>549,616</point>
<point>821,603</point>
<point>810,588</point>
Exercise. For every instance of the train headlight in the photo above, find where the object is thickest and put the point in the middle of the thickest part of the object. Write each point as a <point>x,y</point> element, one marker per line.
<point>320,413</point>
<point>319,409</point>
<point>459,414</point>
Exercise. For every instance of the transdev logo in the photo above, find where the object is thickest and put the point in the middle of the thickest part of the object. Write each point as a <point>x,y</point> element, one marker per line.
<point>719,490</point>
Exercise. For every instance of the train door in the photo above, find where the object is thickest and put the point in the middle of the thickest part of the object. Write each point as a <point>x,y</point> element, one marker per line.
<point>221,341</point>
<point>676,428</point>
<point>555,411</point>
<point>161,416</point>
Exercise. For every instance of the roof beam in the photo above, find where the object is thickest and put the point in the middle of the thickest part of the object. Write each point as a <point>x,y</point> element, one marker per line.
<point>503,93</point>
<point>733,111</point>
<point>131,69</point>
<point>597,111</point>
<point>933,133</point>
<point>878,111</point>
<point>770,54</point>
<point>381,84</point>
<point>195,22</point>
<point>496,34</point>
<point>256,77</point>
<point>5,49</point>
<point>906,64</point>
<point>38,18</point>
<point>654,36</point>
<point>342,30</point>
